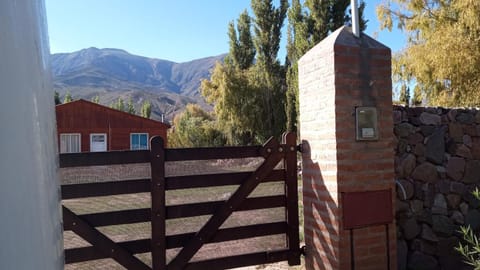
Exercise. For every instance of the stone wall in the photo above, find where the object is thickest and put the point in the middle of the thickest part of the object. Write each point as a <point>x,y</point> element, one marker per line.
<point>437,165</point>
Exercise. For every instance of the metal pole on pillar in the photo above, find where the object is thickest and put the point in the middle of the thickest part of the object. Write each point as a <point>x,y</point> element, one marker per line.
<point>355,20</point>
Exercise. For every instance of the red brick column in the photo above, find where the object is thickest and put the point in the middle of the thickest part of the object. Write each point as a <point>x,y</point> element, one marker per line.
<point>338,75</point>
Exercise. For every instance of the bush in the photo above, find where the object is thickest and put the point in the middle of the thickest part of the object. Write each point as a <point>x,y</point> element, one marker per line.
<point>471,249</point>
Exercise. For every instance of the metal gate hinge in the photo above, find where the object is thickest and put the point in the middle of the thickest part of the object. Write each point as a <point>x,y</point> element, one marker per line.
<point>300,148</point>
<point>303,250</point>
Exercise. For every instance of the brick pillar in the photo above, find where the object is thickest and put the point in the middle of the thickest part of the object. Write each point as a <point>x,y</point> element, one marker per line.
<point>341,173</point>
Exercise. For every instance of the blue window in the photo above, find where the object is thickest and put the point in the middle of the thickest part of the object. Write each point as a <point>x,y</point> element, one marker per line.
<point>138,141</point>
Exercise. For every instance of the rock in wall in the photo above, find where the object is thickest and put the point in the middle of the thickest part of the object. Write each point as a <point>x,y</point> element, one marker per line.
<point>437,166</point>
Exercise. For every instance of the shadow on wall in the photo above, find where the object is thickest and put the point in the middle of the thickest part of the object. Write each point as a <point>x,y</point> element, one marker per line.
<point>320,210</point>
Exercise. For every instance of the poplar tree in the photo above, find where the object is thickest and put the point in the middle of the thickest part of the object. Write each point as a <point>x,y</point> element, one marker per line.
<point>130,108</point>
<point>310,23</point>
<point>67,98</point>
<point>229,88</point>
<point>146,109</point>
<point>249,93</point>
<point>242,51</point>
<point>270,75</point>
<point>268,22</point>
<point>118,105</point>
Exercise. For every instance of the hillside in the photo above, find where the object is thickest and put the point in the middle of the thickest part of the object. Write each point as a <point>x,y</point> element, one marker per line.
<point>113,73</point>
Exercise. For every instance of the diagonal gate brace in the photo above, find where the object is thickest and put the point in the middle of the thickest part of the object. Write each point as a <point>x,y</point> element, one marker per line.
<point>102,242</point>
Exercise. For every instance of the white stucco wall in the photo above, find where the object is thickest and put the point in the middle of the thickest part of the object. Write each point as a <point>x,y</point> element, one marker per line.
<point>30,217</point>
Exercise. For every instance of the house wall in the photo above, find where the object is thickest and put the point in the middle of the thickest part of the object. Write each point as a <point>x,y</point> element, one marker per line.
<point>86,118</point>
<point>117,138</point>
<point>30,210</point>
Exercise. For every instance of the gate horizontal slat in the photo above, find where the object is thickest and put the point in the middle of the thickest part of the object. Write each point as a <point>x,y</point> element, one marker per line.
<point>229,234</point>
<point>74,191</point>
<point>204,153</point>
<point>176,211</point>
<point>103,158</point>
<point>116,217</point>
<point>175,241</point>
<point>82,254</point>
<point>208,208</point>
<point>214,180</point>
<point>240,260</point>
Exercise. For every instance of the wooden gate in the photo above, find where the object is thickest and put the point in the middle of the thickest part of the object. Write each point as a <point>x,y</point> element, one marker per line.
<point>278,165</point>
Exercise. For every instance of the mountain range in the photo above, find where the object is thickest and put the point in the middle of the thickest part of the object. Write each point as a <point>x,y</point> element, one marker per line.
<point>115,73</point>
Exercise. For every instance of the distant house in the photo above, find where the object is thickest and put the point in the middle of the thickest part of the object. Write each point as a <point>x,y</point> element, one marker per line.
<point>84,126</point>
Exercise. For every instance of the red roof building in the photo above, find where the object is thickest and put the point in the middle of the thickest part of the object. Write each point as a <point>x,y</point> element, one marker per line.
<point>84,126</point>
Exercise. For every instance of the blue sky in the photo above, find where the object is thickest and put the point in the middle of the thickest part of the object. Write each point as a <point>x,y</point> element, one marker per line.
<point>175,30</point>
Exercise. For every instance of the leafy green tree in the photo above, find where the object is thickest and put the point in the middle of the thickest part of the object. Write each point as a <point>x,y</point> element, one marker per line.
<point>237,103</point>
<point>67,98</point>
<point>242,51</point>
<point>249,95</point>
<point>146,109</point>
<point>269,74</point>
<point>96,99</point>
<point>268,22</point>
<point>310,23</point>
<point>442,53</point>
<point>56,98</point>
<point>130,108</point>
<point>194,128</point>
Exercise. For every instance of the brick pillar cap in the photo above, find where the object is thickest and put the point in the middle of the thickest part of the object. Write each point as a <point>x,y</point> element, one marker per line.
<point>344,36</point>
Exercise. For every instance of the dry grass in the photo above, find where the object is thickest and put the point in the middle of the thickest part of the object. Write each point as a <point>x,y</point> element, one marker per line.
<point>135,231</point>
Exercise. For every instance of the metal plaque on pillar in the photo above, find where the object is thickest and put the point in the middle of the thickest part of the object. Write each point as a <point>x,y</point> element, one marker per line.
<point>366,124</point>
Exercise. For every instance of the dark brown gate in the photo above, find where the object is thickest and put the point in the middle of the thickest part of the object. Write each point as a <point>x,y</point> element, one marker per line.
<point>177,251</point>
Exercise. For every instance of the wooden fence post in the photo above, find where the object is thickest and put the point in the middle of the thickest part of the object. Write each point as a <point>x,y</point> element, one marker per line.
<point>158,212</point>
<point>291,191</point>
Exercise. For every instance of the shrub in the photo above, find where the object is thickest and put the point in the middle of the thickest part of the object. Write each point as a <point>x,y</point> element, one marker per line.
<point>471,249</point>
